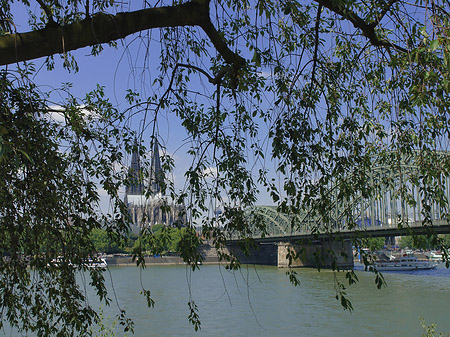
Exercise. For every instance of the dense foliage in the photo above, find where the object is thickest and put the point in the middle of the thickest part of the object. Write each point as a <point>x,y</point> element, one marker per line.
<point>374,243</point>
<point>323,90</point>
<point>163,240</point>
<point>103,243</point>
<point>424,242</point>
<point>48,208</point>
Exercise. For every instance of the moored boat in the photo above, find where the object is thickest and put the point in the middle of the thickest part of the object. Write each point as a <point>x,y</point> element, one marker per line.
<point>406,262</point>
<point>97,263</point>
<point>434,256</point>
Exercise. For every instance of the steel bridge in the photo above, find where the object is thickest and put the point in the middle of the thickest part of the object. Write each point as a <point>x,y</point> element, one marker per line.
<point>402,201</point>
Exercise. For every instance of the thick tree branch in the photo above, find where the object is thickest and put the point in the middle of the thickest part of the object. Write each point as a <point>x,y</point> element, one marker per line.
<point>220,45</point>
<point>103,28</point>
<point>368,30</point>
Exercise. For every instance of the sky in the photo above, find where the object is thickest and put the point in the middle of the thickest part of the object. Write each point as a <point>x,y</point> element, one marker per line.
<point>107,70</point>
<point>119,69</point>
<point>131,66</point>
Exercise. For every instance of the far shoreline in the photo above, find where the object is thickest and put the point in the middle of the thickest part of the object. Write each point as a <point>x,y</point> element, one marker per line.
<point>127,260</point>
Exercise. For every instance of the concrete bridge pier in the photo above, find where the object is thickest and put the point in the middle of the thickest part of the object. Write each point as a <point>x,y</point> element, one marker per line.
<point>318,253</point>
<point>262,254</point>
<point>323,253</point>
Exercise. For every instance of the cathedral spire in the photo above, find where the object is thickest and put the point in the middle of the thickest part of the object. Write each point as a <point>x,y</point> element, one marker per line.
<point>136,186</point>
<point>151,208</point>
<point>156,173</point>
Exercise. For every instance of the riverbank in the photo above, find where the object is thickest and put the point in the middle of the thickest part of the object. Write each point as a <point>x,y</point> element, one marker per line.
<point>210,256</point>
<point>127,260</point>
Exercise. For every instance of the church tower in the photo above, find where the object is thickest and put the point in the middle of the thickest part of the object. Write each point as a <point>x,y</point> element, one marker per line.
<point>136,186</point>
<point>155,208</point>
<point>156,173</point>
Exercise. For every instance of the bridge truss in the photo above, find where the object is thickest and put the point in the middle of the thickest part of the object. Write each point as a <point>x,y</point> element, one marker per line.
<point>401,197</point>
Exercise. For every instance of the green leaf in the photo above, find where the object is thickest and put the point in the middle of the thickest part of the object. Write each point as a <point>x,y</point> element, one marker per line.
<point>256,58</point>
<point>434,44</point>
<point>25,154</point>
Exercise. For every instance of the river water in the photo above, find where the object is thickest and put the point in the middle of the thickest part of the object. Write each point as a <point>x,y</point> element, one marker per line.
<point>260,301</point>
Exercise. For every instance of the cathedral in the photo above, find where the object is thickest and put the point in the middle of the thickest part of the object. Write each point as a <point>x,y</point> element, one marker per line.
<point>151,208</point>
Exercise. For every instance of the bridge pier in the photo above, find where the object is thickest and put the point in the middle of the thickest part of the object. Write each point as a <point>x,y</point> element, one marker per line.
<point>319,253</point>
<point>263,254</point>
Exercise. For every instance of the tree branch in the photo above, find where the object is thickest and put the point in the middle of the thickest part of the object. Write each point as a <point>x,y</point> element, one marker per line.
<point>386,9</point>
<point>220,44</point>
<point>214,80</point>
<point>103,28</point>
<point>190,66</point>
<point>368,30</point>
<point>47,11</point>
<point>316,43</point>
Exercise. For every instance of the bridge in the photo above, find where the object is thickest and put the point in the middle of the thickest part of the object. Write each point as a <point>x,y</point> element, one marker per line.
<point>403,201</point>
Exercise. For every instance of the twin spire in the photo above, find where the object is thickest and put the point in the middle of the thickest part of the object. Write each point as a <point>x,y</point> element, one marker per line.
<point>136,186</point>
<point>145,202</point>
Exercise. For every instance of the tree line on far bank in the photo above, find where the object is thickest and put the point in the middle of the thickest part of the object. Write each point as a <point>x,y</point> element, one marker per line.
<point>163,240</point>
<point>166,239</point>
<point>413,242</point>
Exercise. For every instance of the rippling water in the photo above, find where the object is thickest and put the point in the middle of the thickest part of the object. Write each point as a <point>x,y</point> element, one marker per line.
<point>260,301</point>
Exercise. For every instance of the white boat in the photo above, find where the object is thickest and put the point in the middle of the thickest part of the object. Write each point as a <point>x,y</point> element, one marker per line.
<point>434,256</point>
<point>90,263</point>
<point>406,262</point>
<point>97,263</point>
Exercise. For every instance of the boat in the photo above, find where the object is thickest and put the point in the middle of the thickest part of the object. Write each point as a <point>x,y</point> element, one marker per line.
<point>434,256</point>
<point>97,263</point>
<point>405,262</point>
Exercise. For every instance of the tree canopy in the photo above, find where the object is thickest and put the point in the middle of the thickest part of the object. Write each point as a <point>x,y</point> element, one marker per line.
<point>323,89</point>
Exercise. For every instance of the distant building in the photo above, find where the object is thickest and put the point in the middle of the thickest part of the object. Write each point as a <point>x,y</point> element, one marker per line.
<point>153,208</point>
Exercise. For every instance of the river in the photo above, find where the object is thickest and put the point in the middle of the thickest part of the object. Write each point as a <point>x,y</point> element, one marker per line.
<point>260,301</point>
